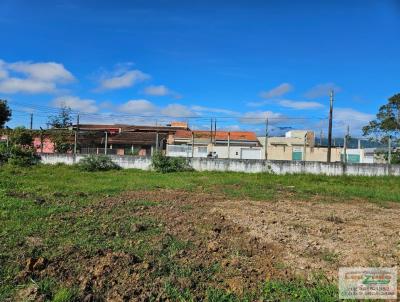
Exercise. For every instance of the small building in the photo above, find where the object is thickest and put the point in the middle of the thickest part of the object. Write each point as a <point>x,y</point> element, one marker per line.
<point>297,145</point>
<point>140,140</point>
<point>216,144</point>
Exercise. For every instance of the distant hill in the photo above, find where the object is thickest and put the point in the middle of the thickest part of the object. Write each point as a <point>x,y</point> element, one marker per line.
<point>352,143</point>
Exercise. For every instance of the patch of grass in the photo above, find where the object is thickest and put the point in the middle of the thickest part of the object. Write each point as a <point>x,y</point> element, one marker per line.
<point>280,265</point>
<point>218,295</point>
<point>46,287</point>
<point>299,290</point>
<point>176,294</point>
<point>329,256</point>
<point>66,295</point>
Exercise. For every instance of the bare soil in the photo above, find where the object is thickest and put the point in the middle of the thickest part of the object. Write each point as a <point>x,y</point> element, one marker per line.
<point>229,244</point>
<point>320,236</point>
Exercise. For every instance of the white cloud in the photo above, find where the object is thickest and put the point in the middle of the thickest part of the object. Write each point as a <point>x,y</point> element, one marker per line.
<point>76,103</point>
<point>140,107</point>
<point>49,71</point>
<point>159,90</point>
<point>16,85</point>
<point>259,117</point>
<point>322,90</point>
<point>343,117</point>
<point>277,91</point>
<point>213,110</point>
<point>3,71</point>
<point>298,105</point>
<point>177,110</point>
<point>28,77</point>
<point>147,108</point>
<point>122,79</point>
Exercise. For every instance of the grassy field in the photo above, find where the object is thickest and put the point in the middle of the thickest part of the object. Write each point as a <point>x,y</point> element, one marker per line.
<point>57,212</point>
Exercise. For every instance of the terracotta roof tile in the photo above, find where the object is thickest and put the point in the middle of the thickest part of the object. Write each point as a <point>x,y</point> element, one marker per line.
<point>220,135</point>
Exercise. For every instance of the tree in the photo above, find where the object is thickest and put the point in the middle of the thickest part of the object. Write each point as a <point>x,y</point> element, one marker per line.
<point>61,120</point>
<point>60,134</point>
<point>387,122</point>
<point>386,126</point>
<point>21,136</point>
<point>5,113</point>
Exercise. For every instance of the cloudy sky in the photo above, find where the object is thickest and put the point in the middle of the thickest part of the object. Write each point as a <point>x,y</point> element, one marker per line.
<point>239,61</point>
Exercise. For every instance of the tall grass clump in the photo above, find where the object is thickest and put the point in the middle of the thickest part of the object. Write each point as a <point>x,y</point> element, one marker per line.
<point>94,163</point>
<point>165,164</point>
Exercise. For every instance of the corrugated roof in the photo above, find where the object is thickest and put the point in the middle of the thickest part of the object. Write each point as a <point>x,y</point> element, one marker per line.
<point>124,127</point>
<point>144,138</point>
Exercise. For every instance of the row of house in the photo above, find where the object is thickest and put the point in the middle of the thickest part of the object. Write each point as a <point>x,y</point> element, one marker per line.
<point>178,140</point>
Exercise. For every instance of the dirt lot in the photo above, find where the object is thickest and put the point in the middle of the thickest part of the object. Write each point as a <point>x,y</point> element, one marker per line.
<point>206,241</point>
<point>315,236</point>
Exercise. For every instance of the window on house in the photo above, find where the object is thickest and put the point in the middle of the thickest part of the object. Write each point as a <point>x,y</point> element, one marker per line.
<point>202,150</point>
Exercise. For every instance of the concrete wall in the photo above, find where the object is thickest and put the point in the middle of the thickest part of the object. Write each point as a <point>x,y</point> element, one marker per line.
<point>235,152</point>
<point>279,152</point>
<point>126,162</point>
<point>246,165</point>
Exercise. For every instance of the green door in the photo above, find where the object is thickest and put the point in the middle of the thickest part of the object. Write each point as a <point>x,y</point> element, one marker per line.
<point>297,155</point>
<point>353,158</point>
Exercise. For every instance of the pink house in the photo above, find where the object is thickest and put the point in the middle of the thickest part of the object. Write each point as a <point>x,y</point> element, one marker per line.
<point>48,145</point>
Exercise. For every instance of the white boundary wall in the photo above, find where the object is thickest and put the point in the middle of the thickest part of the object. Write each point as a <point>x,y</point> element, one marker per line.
<point>245,165</point>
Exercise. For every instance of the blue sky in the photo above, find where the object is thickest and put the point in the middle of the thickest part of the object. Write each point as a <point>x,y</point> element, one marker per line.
<point>239,61</point>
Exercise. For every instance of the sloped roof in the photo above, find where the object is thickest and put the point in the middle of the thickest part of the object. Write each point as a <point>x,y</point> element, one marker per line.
<point>100,127</point>
<point>144,138</point>
<point>219,135</point>
<point>125,127</point>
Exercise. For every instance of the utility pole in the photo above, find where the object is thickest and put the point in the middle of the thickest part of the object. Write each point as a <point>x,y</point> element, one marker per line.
<point>305,147</point>
<point>266,140</point>
<point>105,143</point>
<point>41,140</point>
<point>211,131</point>
<point>31,123</point>
<point>345,144</point>
<point>320,138</point>
<point>76,134</point>
<point>215,131</point>
<point>330,126</point>
<point>229,145</point>
<point>390,149</point>
<point>192,144</point>
<point>156,141</point>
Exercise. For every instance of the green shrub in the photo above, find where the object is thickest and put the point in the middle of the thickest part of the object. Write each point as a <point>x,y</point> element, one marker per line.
<point>4,153</point>
<point>97,163</point>
<point>18,155</point>
<point>164,164</point>
<point>21,136</point>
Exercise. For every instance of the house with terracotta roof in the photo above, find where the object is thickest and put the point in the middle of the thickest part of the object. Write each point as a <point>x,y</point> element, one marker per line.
<point>215,144</point>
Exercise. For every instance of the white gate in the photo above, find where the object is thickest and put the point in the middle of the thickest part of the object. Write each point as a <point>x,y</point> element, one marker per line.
<point>247,153</point>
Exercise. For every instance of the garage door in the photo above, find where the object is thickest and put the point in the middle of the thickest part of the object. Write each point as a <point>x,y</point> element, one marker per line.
<point>250,153</point>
